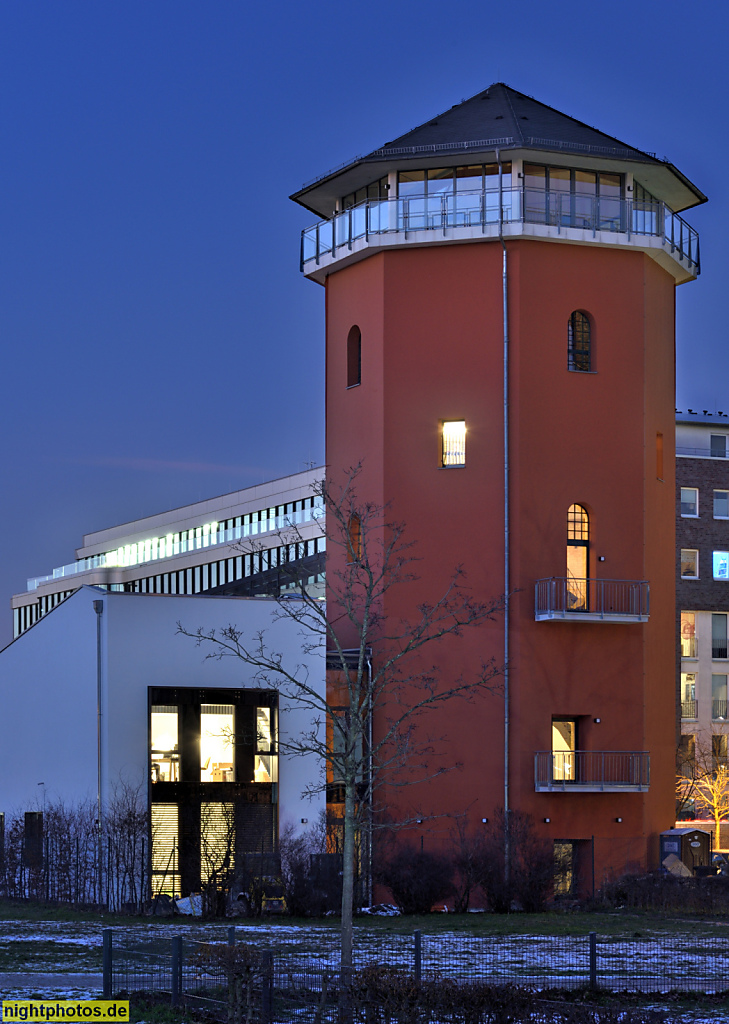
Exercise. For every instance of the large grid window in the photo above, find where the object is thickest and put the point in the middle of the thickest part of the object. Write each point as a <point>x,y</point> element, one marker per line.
<point>579,342</point>
<point>453,450</point>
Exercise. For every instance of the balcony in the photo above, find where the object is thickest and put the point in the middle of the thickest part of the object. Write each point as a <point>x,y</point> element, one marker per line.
<point>591,771</point>
<point>581,600</point>
<point>377,224</point>
<point>689,709</point>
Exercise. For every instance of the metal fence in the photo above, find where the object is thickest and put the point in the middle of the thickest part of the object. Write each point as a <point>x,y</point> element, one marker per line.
<point>287,985</point>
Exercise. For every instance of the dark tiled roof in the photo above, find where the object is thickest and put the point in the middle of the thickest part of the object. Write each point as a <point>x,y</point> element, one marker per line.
<point>502,116</point>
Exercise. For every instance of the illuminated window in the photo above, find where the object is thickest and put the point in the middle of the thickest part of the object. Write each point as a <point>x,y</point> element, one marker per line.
<point>217,730</point>
<point>165,849</point>
<point>688,695</point>
<point>354,358</point>
<point>689,564</point>
<point>721,565</point>
<point>579,343</point>
<point>266,760</point>
<point>564,749</point>
<point>165,744</point>
<point>578,541</point>
<point>688,635</point>
<point>453,451</point>
<point>689,501</point>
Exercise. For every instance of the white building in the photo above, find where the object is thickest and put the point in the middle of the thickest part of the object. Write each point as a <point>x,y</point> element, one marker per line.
<point>232,542</point>
<point>105,689</point>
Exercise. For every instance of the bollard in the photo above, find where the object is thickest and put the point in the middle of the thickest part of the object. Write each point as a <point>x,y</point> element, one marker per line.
<point>266,987</point>
<point>418,955</point>
<point>176,984</point>
<point>593,959</point>
<point>107,962</point>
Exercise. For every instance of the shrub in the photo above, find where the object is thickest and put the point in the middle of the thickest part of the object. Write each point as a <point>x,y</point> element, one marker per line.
<point>531,864</point>
<point>416,878</point>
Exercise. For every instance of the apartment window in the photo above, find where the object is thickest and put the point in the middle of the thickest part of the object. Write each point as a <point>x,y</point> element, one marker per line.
<point>718,635</point>
<point>578,540</point>
<point>718,697</point>
<point>564,749</point>
<point>687,755</point>
<point>718,446</point>
<point>721,565</point>
<point>579,342</point>
<point>689,501</point>
<point>721,504</point>
<point>453,444</point>
<point>719,751</point>
<point>688,634</point>
<point>354,358</point>
<point>689,564</point>
<point>688,695</point>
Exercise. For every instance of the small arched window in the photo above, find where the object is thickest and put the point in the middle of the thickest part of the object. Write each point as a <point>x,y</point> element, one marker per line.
<point>579,342</point>
<point>578,542</point>
<point>354,539</point>
<point>354,357</point>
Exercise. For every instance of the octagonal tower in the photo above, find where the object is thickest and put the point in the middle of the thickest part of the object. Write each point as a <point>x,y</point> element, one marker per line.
<point>500,288</point>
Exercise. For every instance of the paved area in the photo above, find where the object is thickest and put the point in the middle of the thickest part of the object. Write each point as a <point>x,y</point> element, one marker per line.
<point>55,981</point>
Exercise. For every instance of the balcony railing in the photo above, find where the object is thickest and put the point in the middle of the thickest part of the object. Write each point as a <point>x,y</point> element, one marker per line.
<point>480,209</point>
<point>591,771</point>
<point>718,710</point>
<point>704,453</point>
<point>718,650</point>
<point>582,600</point>
<point>688,709</point>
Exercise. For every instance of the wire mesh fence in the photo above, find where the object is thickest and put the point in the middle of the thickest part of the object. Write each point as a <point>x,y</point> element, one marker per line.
<point>282,985</point>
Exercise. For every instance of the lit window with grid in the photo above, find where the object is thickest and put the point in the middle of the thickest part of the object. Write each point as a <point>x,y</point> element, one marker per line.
<point>453,444</point>
<point>579,342</point>
<point>578,523</point>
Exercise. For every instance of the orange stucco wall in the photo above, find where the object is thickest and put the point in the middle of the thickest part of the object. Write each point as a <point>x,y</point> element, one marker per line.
<point>432,346</point>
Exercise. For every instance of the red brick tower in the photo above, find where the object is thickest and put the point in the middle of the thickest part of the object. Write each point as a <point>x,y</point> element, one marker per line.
<point>505,241</point>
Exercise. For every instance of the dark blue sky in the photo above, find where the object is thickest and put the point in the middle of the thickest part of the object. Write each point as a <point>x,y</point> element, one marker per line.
<point>159,344</point>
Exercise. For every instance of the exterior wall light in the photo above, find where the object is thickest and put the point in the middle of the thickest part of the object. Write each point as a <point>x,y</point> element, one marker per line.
<point>618,820</point>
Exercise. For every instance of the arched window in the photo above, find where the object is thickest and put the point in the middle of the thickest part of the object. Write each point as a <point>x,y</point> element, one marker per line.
<point>354,357</point>
<point>579,342</point>
<point>354,539</point>
<point>578,541</point>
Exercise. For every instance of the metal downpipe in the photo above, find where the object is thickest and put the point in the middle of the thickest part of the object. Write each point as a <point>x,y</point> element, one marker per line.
<point>505,316</point>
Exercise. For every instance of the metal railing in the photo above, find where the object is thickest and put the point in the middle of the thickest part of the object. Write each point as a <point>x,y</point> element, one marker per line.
<point>480,209</point>
<point>718,709</point>
<point>591,769</point>
<point>719,650</point>
<point>688,709</point>
<point>704,453</point>
<point>562,597</point>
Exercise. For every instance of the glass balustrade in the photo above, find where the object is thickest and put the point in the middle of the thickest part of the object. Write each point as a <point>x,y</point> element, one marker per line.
<point>479,209</point>
<point>173,544</point>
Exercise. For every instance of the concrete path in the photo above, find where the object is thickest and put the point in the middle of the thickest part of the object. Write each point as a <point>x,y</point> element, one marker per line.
<point>39,981</point>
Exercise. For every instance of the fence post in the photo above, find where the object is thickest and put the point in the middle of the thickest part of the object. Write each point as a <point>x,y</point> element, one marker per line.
<point>107,962</point>
<point>266,986</point>
<point>176,985</point>
<point>231,935</point>
<point>593,960</point>
<point>418,955</point>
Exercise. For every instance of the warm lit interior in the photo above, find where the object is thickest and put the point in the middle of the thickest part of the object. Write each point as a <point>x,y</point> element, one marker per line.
<point>217,731</point>
<point>266,762</point>
<point>564,740</point>
<point>164,752</point>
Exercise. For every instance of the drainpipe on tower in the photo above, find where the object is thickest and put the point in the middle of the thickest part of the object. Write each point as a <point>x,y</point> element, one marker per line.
<point>505,314</point>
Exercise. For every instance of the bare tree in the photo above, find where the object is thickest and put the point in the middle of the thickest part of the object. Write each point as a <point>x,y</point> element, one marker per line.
<point>381,676</point>
<point>703,778</point>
